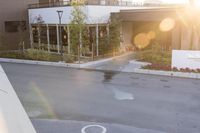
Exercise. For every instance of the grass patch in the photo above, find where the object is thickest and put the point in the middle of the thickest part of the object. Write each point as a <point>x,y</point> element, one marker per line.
<point>155,57</point>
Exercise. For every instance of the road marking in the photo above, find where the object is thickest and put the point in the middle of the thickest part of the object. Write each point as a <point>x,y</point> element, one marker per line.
<point>121,95</point>
<point>83,130</point>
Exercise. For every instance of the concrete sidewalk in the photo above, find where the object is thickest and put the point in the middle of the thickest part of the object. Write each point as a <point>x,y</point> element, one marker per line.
<point>13,118</point>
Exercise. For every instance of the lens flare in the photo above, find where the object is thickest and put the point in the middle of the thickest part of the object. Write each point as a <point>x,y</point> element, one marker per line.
<point>141,40</point>
<point>151,35</point>
<point>167,24</point>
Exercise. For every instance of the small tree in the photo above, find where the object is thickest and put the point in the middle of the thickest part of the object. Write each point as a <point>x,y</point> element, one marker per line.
<point>114,35</point>
<point>77,28</point>
<point>39,22</point>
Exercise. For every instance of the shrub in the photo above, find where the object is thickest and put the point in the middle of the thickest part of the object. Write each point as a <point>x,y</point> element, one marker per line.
<point>68,58</point>
<point>158,67</point>
<point>198,70</point>
<point>168,68</point>
<point>175,69</point>
<point>12,54</point>
<point>34,54</point>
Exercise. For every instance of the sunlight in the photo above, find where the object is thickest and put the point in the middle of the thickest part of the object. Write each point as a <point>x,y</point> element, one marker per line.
<point>44,101</point>
<point>175,1</point>
<point>151,35</point>
<point>197,3</point>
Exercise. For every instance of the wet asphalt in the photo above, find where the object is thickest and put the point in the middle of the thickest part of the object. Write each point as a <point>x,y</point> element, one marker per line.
<point>131,102</point>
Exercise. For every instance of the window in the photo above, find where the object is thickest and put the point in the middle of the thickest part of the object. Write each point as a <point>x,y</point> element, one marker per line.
<point>15,26</point>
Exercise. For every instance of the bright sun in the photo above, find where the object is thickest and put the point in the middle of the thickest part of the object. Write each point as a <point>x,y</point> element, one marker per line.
<point>175,1</point>
<point>197,3</point>
<point>164,1</point>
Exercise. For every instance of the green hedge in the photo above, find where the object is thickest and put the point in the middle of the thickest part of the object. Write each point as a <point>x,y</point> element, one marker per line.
<point>40,55</point>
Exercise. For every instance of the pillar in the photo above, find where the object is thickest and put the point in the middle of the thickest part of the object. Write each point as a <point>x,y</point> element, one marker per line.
<point>31,36</point>
<point>58,40</point>
<point>97,39</point>
<point>68,40</point>
<point>48,40</point>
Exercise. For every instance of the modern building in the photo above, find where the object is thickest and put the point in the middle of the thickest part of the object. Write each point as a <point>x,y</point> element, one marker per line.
<point>174,27</point>
<point>98,13</point>
<point>13,15</point>
<point>134,18</point>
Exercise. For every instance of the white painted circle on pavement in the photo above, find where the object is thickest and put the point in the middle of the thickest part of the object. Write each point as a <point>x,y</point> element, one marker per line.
<point>83,130</point>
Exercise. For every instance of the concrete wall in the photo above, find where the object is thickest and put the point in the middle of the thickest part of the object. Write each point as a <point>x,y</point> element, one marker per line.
<point>186,59</point>
<point>148,14</point>
<point>13,11</point>
<point>95,14</point>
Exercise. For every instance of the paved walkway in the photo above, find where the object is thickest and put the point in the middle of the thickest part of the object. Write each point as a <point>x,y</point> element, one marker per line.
<point>119,64</point>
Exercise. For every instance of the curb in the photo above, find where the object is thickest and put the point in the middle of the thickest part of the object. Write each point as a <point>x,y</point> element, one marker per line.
<point>8,60</point>
<point>61,64</point>
<point>168,73</point>
<point>13,118</point>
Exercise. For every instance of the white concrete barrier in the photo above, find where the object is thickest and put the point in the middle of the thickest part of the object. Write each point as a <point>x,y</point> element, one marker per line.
<point>186,59</point>
<point>13,118</point>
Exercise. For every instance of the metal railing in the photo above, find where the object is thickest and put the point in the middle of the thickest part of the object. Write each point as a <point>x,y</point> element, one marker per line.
<point>50,4</point>
<point>68,3</point>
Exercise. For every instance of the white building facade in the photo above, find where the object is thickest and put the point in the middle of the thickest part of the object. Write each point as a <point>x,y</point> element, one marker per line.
<point>97,18</point>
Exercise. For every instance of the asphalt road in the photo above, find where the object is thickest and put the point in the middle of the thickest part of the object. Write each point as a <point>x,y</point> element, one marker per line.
<point>121,102</point>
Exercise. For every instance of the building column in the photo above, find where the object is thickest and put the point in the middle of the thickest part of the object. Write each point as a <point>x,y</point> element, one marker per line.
<point>108,32</point>
<point>97,39</point>
<point>121,38</point>
<point>186,35</point>
<point>58,40</point>
<point>195,40</point>
<point>176,38</point>
<point>68,39</point>
<point>31,36</point>
<point>48,40</point>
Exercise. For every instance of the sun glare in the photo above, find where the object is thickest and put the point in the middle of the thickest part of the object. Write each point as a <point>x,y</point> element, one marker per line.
<point>142,40</point>
<point>197,3</point>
